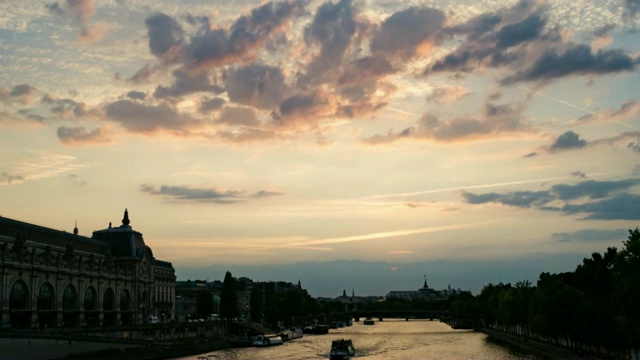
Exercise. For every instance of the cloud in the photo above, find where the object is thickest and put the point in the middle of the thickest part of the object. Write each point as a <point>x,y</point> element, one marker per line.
<point>576,60</point>
<point>136,95</point>
<point>635,146</point>
<point>579,174</point>
<point>237,116</point>
<point>245,135</point>
<point>187,83</point>
<point>67,107</point>
<point>588,235</point>
<point>494,40</point>
<point>22,117</point>
<point>33,165</point>
<point>265,194</point>
<point>144,74</point>
<point>76,180</point>
<point>631,9</point>
<point>598,200</point>
<point>627,110</point>
<point>408,32</point>
<point>260,86</point>
<point>206,195</point>
<point>215,47</point>
<point>22,93</point>
<point>619,207</point>
<point>592,189</point>
<point>333,27</point>
<point>81,136</point>
<point>496,120</point>
<point>147,119</point>
<point>568,140</point>
<point>8,179</point>
<point>447,93</point>
<point>165,34</point>
<point>81,11</point>
<point>208,105</point>
<point>303,109</point>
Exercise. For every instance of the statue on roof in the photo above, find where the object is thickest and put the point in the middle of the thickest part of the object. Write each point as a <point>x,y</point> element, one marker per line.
<point>125,220</point>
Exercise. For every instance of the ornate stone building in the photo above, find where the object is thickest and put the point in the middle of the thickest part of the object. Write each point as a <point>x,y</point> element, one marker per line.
<point>51,278</point>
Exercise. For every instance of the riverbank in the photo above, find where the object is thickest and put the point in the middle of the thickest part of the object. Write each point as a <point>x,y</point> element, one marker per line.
<point>155,352</point>
<point>533,346</point>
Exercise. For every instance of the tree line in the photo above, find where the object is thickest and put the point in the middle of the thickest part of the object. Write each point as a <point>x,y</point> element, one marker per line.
<point>594,308</point>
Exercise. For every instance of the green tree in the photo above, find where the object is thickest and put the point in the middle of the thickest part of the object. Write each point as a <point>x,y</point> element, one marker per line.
<point>228,298</point>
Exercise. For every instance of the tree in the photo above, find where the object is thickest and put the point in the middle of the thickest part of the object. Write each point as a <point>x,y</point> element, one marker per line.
<point>228,298</point>
<point>204,303</point>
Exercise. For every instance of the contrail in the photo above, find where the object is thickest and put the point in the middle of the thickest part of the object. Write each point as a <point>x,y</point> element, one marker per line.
<point>385,234</point>
<point>401,111</point>
<point>560,101</point>
<point>482,186</point>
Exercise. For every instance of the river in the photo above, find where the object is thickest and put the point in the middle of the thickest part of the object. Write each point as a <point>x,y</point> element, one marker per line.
<point>388,339</point>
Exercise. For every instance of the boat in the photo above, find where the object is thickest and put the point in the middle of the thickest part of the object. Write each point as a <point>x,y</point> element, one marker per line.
<point>296,332</point>
<point>267,340</point>
<point>316,329</point>
<point>342,349</point>
<point>368,321</point>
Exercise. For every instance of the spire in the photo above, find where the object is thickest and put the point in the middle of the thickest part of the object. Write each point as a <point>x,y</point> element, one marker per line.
<point>125,220</point>
<point>344,293</point>
<point>425,282</point>
<point>75,229</point>
<point>353,293</point>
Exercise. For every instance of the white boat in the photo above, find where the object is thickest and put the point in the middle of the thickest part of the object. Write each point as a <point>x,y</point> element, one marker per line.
<point>342,349</point>
<point>368,321</point>
<point>296,333</point>
<point>267,340</point>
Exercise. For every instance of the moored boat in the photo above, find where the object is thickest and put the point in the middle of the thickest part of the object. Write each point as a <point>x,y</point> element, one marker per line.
<point>368,321</point>
<point>267,340</point>
<point>342,349</point>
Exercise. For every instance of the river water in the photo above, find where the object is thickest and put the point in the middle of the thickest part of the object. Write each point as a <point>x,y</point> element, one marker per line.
<point>388,339</point>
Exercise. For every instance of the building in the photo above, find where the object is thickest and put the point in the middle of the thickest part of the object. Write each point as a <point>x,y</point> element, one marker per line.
<point>186,294</point>
<point>52,278</point>
<point>425,292</point>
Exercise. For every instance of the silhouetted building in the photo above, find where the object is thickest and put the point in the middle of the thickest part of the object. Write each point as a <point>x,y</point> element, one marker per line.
<point>53,278</point>
<point>425,292</point>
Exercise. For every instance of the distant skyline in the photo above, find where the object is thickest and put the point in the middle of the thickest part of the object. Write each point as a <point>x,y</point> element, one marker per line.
<point>277,135</point>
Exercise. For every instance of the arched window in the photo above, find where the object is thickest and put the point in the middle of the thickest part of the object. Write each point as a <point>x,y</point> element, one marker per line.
<point>107,300</point>
<point>69,298</point>
<point>90,299</point>
<point>125,300</point>
<point>46,297</point>
<point>19,296</point>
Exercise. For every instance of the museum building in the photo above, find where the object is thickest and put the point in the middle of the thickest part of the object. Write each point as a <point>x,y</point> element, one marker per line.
<point>52,278</point>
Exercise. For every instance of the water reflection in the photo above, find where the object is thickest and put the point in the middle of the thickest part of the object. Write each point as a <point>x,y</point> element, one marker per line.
<point>388,339</point>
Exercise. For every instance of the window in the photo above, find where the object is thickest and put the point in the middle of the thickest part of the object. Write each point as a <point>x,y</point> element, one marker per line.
<point>19,296</point>
<point>90,299</point>
<point>46,297</point>
<point>125,300</point>
<point>107,300</point>
<point>69,298</point>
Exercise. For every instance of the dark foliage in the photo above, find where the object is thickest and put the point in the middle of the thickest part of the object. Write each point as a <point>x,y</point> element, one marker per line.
<point>594,308</point>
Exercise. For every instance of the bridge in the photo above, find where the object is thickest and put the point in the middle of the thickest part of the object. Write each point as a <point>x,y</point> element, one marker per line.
<point>456,321</point>
<point>398,314</point>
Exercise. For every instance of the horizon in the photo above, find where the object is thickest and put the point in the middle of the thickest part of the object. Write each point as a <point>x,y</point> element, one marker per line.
<point>261,135</point>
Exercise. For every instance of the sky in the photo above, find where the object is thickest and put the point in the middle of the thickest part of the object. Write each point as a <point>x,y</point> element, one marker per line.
<point>364,145</point>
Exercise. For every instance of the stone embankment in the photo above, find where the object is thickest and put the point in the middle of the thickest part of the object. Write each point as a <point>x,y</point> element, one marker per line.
<point>156,352</point>
<point>532,346</point>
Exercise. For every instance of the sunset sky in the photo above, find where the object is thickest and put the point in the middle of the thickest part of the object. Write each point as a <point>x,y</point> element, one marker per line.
<point>253,133</point>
